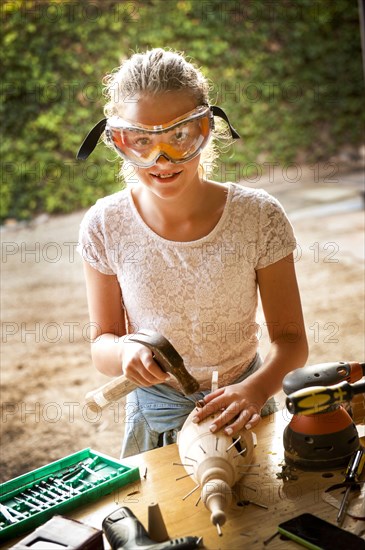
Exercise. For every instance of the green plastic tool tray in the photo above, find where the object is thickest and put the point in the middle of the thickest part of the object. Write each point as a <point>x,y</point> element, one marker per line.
<point>26,501</point>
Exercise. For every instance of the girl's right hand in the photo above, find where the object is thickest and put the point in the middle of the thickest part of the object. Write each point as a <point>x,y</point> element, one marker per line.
<point>139,366</point>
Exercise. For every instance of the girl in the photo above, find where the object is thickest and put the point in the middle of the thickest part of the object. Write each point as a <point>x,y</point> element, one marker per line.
<point>185,256</point>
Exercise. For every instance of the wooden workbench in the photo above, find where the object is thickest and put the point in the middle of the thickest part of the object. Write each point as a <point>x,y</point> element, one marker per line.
<point>248,526</point>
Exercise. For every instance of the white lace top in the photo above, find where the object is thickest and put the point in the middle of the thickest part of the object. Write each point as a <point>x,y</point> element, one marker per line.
<point>201,295</point>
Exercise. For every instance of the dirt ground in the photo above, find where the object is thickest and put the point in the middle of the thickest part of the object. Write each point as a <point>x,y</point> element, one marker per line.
<point>45,365</point>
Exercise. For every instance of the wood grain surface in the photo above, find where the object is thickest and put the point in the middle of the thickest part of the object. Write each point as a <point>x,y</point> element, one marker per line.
<point>247,526</point>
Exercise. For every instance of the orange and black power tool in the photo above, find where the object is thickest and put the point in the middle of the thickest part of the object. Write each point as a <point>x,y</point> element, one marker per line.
<point>321,434</point>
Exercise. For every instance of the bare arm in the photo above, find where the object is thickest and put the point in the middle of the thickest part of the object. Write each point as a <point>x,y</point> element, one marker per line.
<point>110,354</point>
<point>288,350</point>
<point>283,314</point>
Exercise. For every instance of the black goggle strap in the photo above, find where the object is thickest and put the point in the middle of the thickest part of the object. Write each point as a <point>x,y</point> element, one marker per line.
<point>217,111</point>
<point>92,138</point>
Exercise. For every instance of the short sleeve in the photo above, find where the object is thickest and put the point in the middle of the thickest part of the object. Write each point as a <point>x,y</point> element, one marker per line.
<point>92,240</point>
<point>276,235</point>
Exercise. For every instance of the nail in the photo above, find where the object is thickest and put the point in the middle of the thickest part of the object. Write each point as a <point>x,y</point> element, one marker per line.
<point>195,419</point>
<point>228,431</point>
<point>213,428</point>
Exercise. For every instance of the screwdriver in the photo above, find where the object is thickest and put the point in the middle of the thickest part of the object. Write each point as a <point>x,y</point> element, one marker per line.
<point>315,399</point>
<point>353,471</point>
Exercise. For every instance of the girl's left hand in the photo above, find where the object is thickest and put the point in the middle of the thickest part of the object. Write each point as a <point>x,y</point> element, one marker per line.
<point>239,408</point>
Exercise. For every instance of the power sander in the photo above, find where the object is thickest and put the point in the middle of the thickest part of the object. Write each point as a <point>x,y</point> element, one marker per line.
<point>322,434</point>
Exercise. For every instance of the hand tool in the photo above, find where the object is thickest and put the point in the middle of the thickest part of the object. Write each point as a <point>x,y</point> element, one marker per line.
<point>30,505</point>
<point>69,491</point>
<point>325,437</point>
<point>83,469</point>
<point>29,496</point>
<point>10,514</point>
<point>92,472</point>
<point>71,473</point>
<point>353,471</point>
<point>87,484</point>
<point>77,479</point>
<point>165,356</point>
<point>125,532</point>
<point>8,517</point>
<point>37,494</point>
<point>51,490</point>
<point>318,398</point>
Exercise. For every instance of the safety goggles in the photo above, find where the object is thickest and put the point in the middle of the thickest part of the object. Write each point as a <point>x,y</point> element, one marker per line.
<point>179,140</point>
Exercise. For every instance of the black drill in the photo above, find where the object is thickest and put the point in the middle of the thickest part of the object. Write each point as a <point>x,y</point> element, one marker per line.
<point>125,532</point>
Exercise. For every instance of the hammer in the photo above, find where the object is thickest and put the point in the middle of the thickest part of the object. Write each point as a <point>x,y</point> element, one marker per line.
<point>165,356</point>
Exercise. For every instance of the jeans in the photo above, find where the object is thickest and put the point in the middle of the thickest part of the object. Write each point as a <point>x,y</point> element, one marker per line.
<point>155,414</point>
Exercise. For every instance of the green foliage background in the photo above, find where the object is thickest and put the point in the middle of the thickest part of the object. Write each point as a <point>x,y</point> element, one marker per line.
<point>288,73</point>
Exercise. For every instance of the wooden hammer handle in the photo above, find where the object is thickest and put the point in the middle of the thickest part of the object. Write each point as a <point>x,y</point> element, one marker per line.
<point>114,390</point>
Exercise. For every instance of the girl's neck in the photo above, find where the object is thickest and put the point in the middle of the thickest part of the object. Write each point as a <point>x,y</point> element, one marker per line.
<point>178,208</point>
<point>188,217</point>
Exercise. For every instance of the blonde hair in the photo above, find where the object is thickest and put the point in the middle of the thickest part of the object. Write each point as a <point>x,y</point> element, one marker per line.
<point>157,71</point>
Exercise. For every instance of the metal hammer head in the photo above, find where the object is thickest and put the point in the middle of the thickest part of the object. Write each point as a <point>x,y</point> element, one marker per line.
<point>167,358</point>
